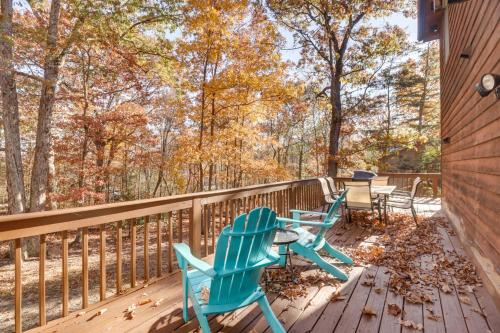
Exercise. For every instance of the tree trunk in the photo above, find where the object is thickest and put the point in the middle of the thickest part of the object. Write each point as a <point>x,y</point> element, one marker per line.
<point>40,171</point>
<point>336,123</point>
<point>16,194</point>
<point>10,115</point>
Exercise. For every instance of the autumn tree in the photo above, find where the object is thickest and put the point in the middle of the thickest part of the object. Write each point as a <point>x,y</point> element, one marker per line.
<point>337,39</point>
<point>230,53</point>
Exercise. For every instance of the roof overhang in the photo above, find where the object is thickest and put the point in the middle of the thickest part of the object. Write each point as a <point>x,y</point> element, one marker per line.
<point>429,20</point>
<point>430,14</point>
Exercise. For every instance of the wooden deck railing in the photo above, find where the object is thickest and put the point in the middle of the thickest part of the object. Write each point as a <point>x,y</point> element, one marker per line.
<point>431,182</point>
<point>196,218</point>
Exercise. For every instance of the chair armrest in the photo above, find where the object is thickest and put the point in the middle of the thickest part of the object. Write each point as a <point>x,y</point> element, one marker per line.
<point>185,257</point>
<point>307,212</point>
<point>310,223</point>
<point>401,193</point>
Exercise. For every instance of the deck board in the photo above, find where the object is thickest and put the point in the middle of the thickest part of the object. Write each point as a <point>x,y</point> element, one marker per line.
<point>312,312</point>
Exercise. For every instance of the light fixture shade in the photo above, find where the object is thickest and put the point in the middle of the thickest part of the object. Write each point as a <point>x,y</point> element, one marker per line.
<point>489,81</point>
<point>487,84</point>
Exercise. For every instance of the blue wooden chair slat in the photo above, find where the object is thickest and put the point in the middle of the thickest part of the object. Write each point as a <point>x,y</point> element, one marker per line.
<point>309,244</point>
<point>241,254</point>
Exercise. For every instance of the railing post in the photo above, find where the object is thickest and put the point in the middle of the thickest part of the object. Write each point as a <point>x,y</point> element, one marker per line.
<point>292,201</point>
<point>435,181</point>
<point>195,227</point>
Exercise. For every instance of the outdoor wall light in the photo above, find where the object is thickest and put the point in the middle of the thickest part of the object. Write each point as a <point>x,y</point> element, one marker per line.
<point>488,83</point>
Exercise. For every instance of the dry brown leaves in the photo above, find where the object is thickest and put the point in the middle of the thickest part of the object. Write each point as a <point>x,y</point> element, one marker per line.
<point>144,301</point>
<point>401,247</point>
<point>411,324</point>
<point>280,282</point>
<point>465,300</point>
<point>102,311</point>
<point>130,312</point>
<point>393,309</point>
<point>205,294</point>
<point>336,296</point>
<point>369,311</point>
<point>433,317</point>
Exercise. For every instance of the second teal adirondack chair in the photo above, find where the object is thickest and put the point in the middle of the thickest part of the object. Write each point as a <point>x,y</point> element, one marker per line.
<point>241,255</point>
<point>309,244</point>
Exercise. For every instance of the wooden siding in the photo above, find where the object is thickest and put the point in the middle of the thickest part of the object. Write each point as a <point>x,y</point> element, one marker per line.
<point>471,161</point>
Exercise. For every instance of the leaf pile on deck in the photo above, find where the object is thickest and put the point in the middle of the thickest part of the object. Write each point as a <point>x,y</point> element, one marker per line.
<point>280,282</point>
<point>402,248</point>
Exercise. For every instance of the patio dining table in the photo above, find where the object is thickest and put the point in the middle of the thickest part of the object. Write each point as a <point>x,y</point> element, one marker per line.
<point>386,191</point>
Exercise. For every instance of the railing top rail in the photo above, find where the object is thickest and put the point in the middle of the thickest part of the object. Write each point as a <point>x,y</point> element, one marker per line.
<point>425,174</point>
<point>31,224</point>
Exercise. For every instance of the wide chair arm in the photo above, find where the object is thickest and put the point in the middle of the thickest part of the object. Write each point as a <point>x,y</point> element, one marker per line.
<point>296,222</point>
<point>303,212</point>
<point>185,258</point>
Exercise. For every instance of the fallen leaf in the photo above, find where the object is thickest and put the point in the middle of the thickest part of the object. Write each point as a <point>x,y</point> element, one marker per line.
<point>414,298</point>
<point>205,294</point>
<point>428,298</point>
<point>130,315</point>
<point>369,311</point>
<point>393,309</point>
<point>144,301</point>
<point>445,288</point>
<point>433,317</point>
<point>101,312</point>
<point>379,290</point>
<point>158,302</point>
<point>336,296</point>
<point>368,283</point>
<point>465,299</point>
<point>479,311</point>
<point>411,324</point>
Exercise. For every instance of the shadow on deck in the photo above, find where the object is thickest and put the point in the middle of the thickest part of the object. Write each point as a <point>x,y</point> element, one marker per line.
<point>320,305</point>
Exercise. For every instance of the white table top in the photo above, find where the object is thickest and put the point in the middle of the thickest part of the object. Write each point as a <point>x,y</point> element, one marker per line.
<point>384,190</point>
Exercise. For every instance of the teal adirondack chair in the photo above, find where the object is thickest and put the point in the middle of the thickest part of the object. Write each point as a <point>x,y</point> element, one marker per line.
<point>241,255</point>
<point>309,244</point>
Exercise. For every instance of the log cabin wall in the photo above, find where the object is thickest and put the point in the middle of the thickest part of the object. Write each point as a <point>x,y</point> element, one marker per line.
<point>470,48</point>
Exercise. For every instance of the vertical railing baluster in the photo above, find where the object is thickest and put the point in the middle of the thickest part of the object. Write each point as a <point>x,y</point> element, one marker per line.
<point>102,261</point>
<point>226,210</point>
<point>212,213</point>
<point>133,254</point>
<point>85,267</point>
<point>205,227</point>
<point>179,226</point>
<point>65,276</point>
<point>170,242</point>
<point>146,249</point>
<point>42,318</point>
<point>158,245</point>
<point>119,249</point>
<point>18,288</point>
<point>195,230</point>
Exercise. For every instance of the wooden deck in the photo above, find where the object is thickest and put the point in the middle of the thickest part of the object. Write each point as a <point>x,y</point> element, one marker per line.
<point>312,311</point>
